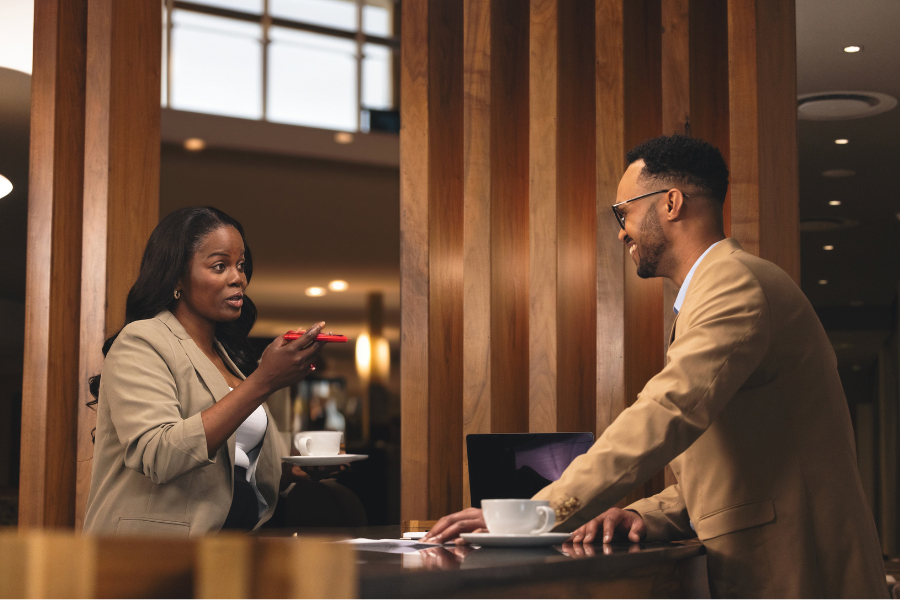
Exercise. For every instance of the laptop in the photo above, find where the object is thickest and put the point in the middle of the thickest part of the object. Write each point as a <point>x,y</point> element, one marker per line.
<point>519,465</point>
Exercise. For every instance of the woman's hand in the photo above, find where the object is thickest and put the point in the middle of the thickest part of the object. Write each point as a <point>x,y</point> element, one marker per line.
<point>449,528</point>
<point>285,362</point>
<point>294,474</point>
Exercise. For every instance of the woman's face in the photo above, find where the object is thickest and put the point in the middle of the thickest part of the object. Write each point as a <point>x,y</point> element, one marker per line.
<point>214,285</point>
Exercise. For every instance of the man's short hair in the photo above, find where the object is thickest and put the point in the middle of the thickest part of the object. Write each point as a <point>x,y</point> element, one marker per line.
<point>679,159</point>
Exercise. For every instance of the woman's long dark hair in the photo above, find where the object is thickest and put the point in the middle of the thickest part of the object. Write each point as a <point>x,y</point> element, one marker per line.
<point>167,258</point>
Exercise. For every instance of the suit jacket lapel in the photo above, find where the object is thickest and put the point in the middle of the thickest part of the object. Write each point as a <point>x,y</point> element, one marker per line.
<point>204,367</point>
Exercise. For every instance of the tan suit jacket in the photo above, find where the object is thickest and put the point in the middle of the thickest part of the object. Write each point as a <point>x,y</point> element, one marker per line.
<point>750,411</point>
<point>151,473</point>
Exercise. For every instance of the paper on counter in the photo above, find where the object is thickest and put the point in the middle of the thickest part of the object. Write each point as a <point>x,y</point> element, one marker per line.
<point>388,545</point>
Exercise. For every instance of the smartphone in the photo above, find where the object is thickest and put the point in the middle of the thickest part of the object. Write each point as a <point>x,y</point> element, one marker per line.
<point>322,337</point>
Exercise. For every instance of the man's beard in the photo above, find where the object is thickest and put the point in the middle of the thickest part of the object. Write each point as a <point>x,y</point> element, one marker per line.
<point>653,245</point>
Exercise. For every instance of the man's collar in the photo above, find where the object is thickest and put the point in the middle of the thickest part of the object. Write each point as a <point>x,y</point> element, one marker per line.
<point>679,300</point>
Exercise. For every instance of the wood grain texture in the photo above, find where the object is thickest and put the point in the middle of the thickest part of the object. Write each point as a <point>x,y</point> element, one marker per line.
<point>445,252</point>
<point>577,219</point>
<point>676,74</point>
<point>709,80</point>
<point>305,568</point>
<point>477,226</point>
<point>542,220</point>
<point>414,189</point>
<point>509,216</point>
<point>779,179</point>
<point>743,108</point>
<point>610,139</point>
<point>643,314</point>
<point>53,266</point>
<point>763,133</point>
<point>121,184</point>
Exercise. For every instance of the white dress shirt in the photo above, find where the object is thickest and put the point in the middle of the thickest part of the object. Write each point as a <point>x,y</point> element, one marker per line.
<point>679,300</point>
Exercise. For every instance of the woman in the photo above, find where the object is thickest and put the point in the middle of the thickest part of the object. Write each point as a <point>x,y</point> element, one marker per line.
<point>184,445</point>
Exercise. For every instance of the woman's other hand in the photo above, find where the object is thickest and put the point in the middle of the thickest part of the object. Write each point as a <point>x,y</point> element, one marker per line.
<point>284,362</point>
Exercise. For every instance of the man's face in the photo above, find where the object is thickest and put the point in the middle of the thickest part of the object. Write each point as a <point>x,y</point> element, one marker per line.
<point>643,234</point>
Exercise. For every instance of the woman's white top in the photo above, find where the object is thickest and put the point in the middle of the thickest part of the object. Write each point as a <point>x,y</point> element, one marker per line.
<point>249,436</point>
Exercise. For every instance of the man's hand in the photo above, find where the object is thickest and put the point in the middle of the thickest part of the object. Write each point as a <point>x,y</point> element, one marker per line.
<point>449,527</point>
<point>615,524</point>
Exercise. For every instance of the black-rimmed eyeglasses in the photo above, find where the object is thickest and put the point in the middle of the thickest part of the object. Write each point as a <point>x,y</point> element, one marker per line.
<point>621,218</point>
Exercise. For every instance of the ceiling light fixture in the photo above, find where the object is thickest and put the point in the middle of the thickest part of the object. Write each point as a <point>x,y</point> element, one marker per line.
<point>315,291</point>
<point>823,282</point>
<point>842,141</point>
<point>343,137</point>
<point>852,49</point>
<point>6,186</point>
<point>338,285</point>
<point>834,202</point>
<point>828,247</point>
<point>194,144</point>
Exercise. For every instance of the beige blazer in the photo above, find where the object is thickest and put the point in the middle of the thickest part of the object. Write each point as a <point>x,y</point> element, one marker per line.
<point>750,411</point>
<point>151,473</point>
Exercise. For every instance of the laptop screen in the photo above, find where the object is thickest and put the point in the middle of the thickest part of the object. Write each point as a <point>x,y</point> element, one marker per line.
<point>519,465</point>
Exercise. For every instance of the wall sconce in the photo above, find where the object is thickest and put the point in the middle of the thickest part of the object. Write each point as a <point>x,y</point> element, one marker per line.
<point>373,358</point>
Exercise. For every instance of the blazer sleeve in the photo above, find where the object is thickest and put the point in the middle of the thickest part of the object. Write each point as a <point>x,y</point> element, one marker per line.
<point>665,515</point>
<point>141,392</point>
<point>723,337</point>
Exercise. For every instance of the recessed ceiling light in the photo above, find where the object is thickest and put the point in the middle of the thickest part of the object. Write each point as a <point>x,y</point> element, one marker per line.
<point>6,186</point>
<point>315,291</point>
<point>194,144</point>
<point>852,49</point>
<point>841,141</point>
<point>828,247</point>
<point>823,282</point>
<point>838,173</point>
<point>834,202</point>
<point>343,137</point>
<point>338,285</point>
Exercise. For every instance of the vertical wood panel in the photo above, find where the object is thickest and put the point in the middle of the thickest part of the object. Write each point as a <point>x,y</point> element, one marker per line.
<point>762,107</point>
<point>577,206</point>
<point>643,348</point>
<point>414,189</point>
<point>509,215</point>
<point>445,250</point>
<point>477,230</point>
<point>121,183</point>
<point>610,138</point>
<point>53,271</point>
<point>543,107</point>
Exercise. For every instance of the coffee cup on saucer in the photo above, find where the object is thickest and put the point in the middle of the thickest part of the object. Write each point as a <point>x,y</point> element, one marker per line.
<point>518,517</point>
<point>318,443</point>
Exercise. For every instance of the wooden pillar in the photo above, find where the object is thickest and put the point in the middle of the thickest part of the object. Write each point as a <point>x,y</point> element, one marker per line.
<point>94,200</point>
<point>762,80</point>
<point>121,183</point>
<point>53,271</point>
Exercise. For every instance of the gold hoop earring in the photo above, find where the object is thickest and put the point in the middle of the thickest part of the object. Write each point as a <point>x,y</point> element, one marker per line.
<point>177,294</point>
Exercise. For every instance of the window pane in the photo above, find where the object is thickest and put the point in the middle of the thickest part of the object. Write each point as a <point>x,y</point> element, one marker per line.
<point>377,87</point>
<point>312,80</point>
<point>216,65</point>
<point>338,14</point>
<point>377,19</point>
<point>248,6</point>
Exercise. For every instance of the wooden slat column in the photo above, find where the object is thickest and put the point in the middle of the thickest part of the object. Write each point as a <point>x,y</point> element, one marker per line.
<point>762,79</point>
<point>521,309</point>
<point>53,272</point>
<point>121,183</point>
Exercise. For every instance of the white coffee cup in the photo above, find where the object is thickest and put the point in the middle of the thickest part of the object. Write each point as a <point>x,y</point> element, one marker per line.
<point>318,443</point>
<point>510,516</point>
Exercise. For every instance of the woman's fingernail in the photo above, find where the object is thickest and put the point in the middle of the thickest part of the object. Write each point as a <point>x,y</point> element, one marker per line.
<point>606,539</point>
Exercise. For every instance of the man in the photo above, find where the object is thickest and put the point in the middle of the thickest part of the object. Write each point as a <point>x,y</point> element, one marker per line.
<point>749,410</point>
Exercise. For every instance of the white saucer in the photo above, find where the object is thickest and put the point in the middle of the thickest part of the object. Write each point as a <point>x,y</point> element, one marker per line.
<point>323,461</point>
<point>514,540</point>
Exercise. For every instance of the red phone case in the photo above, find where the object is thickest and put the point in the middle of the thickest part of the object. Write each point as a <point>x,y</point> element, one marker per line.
<point>322,337</point>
